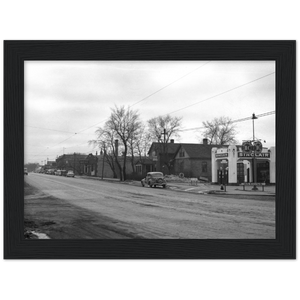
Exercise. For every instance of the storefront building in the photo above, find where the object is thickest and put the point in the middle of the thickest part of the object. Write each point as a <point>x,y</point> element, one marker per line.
<point>88,165</point>
<point>231,165</point>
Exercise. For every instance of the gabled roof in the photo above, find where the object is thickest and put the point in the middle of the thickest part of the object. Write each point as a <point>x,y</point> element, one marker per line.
<point>171,148</point>
<point>198,150</point>
<point>193,150</point>
<point>145,161</point>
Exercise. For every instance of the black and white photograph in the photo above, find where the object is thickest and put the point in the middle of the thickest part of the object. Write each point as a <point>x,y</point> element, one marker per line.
<point>150,149</point>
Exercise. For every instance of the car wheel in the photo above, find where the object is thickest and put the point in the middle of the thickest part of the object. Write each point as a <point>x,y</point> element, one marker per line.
<point>164,186</point>
<point>142,183</point>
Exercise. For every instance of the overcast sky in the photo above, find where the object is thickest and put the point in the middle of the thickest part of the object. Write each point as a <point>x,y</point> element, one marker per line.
<point>66,101</point>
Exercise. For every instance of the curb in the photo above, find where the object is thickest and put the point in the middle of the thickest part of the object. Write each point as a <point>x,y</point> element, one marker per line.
<point>205,192</point>
<point>219,192</point>
<point>104,179</point>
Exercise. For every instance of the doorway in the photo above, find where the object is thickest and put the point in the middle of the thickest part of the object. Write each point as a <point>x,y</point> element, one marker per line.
<point>240,173</point>
<point>263,173</point>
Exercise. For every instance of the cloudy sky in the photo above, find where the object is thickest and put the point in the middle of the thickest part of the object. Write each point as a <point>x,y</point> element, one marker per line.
<point>65,101</point>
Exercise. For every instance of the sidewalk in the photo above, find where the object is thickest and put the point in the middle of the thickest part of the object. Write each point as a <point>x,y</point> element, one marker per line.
<point>116,180</point>
<point>201,188</point>
<point>205,188</point>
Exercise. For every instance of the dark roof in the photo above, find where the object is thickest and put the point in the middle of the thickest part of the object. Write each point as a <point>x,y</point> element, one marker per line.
<point>198,150</point>
<point>170,147</point>
<point>193,150</point>
<point>145,161</point>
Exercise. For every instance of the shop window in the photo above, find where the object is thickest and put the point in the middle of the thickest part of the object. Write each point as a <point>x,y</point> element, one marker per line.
<point>204,167</point>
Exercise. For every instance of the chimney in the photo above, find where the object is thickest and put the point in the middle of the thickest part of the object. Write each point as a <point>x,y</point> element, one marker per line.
<point>117,147</point>
<point>205,141</point>
<point>172,141</point>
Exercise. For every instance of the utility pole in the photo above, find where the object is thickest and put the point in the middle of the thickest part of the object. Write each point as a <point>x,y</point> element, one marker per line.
<point>254,161</point>
<point>165,156</point>
<point>104,152</point>
<point>164,133</point>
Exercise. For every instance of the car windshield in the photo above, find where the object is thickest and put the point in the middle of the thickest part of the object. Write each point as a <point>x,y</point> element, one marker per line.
<point>158,174</point>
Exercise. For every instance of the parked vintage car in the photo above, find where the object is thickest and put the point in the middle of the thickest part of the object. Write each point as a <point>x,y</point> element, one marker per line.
<point>70,174</point>
<point>51,171</point>
<point>154,179</point>
<point>63,172</point>
<point>57,172</point>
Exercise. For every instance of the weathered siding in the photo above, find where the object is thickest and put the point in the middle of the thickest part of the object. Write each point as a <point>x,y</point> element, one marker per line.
<point>192,167</point>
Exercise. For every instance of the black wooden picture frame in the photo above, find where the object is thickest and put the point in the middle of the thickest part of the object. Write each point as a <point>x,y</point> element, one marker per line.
<point>282,52</point>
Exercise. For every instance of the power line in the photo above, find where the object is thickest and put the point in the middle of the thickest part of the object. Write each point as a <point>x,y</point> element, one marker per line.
<point>170,84</point>
<point>91,126</point>
<point>152,94</point>
<point>170,112</point>
<point>230,90</point>
<point>250,118</point>
<point>234,121</point>
<point>51,129</point>
<point>136,102</point>
<point>55,145</point>
<point>48,129</point>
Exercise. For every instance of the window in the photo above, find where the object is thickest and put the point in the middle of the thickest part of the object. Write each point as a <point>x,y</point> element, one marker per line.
<point>138,168</point>
<point>181,153</point>
<point>204,167</point>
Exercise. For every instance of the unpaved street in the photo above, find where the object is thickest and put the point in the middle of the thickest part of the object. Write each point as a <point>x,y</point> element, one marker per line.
<point>79,208</point>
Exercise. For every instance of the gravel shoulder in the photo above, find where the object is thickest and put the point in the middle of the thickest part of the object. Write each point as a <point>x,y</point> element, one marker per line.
<point>59,219</point>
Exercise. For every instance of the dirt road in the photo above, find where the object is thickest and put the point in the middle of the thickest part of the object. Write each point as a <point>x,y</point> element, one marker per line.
<point>78,208</point>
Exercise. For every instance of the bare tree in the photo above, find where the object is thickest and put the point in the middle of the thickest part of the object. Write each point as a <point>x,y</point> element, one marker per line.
<point>106,142</point>
<point>143,143</point>
<point>162,128</point>
<point>139,144</point>
<point>125,124</point>
<point>220,131</point>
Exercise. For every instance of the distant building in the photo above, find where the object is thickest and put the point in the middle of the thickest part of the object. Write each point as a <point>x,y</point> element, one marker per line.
<point>51,163</point>
<point>162,156</point>
<point>80,163</point>
<point>143,166</point>
<point>192,160</point>
<point>108,168</point>
<point>89,165</point>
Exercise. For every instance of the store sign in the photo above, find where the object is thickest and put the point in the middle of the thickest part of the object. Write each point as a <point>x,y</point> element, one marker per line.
<point>246,146</point>
<point>221,154</point>
<point>262,155</point>
<point>257,145</point>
